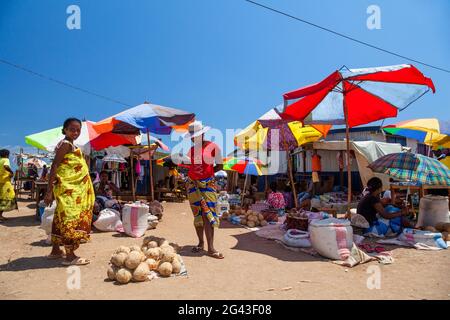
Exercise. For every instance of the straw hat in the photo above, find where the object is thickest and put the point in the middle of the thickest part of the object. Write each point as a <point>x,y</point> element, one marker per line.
<point>196,129</point>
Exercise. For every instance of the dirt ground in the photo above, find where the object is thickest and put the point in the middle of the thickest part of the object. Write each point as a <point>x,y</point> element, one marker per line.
<point>253,268</point>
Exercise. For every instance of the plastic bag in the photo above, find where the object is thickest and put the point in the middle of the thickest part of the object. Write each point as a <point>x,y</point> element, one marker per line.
<point>47,218</point>
<point>108,220</point>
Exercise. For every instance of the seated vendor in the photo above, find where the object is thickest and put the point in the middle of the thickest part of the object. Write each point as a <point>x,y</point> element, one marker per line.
<point>305,194</point>
<point>275,199</point>
<point>104,190</point>
<point>381,220</point>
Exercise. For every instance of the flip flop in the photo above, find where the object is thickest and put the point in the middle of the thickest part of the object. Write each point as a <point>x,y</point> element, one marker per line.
<point>216,255</point>
<point>76,262</point>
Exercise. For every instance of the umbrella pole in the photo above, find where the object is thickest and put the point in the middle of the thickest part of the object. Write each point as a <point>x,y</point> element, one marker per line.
<point>243,190</point>
<point>291,178</point>
<point>349,172</point>
<point>132,176</point>
<point>152,193</point>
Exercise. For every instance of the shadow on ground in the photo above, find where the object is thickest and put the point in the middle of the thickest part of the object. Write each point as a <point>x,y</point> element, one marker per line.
<point>31,263</point>
<point>22,221</point>
<point>252,243</point>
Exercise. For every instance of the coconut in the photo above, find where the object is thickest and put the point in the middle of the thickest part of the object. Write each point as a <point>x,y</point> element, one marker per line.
<point>153,253</point>
<point>167,254</point>
<point>152,244</point>
<point>143,257</point>
<point>118,259</point>
<point>111,272</point>
<point>252,218</point>
<point>260,217</point>
<point>176,266</point>
<point>152,264</point>
<point>144,248</point>
<point>122,249</point>
<point>251,224</point>
<point>141,272</point>
<point>133,260</point>
<point>257,224</point>
<point>242,212</point>
<point>123,276</point>
<point>165,269</point>
<point>147,240</point>
<point>263,223</point>
<point>135,248</point>
<point>162,241</point>
<point>244,221</point>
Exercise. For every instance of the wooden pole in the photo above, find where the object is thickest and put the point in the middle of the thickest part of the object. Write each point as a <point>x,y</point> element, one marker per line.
<point>341,170</point>
<point>152,192</point>
<point>304,161</point>
<point>291,177</point>
<point>243,190</point>
<point>349,171</point>
<point>133,190</point>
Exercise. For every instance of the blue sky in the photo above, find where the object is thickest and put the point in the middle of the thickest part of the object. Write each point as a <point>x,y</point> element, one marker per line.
<point>226,60</point>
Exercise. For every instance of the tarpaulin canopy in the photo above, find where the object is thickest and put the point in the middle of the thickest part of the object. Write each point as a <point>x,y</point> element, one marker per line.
<point>366,152</point>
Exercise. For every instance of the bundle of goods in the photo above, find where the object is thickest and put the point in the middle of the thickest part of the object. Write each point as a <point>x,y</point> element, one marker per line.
<point>152,221</point>
<point>156,209</point>
<point>332,238</point>
<point>296,219</point>
<point>138,263</point>
<point>297,238</point>
<point>432,210</point>
<point>108,220</point>
<point>136,219</point>
<point>252,219</point>
<point>428,238</point>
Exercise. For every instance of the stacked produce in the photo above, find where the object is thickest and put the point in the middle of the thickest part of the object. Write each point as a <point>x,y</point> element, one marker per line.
<point>137,263</point>
<point>253,219</point>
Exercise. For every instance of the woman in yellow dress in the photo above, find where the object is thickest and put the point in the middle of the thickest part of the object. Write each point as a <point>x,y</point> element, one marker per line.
<point>7,195</point>
<point>71,186</point>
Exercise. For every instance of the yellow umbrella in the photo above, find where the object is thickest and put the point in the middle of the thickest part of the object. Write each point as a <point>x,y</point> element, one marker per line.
<point>430,131</point>
<point>271,132</point>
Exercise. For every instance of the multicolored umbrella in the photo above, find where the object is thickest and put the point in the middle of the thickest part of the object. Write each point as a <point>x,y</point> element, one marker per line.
<point>271,132</point>
<point>145,118</point>
<point>429,131</point>
<point>357,96</point>
<point>412,167</point>
<point>247,166</point>
<point>89,139</point>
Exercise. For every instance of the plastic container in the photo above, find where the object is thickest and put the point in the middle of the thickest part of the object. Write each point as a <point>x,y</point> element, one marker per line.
<point>332,238</point>
<point>433,209</point>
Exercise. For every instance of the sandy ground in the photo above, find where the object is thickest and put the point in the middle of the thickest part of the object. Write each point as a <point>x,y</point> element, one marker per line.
<point>253,268</point>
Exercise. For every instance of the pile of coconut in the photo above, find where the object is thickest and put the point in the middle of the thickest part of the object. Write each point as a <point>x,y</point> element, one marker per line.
<point>137,263</point>
<point>252,219</point>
